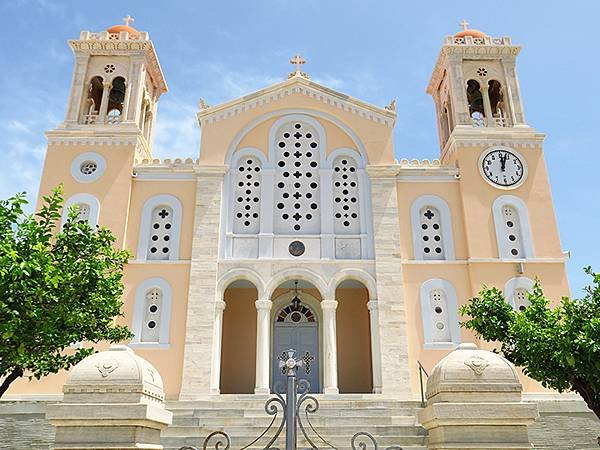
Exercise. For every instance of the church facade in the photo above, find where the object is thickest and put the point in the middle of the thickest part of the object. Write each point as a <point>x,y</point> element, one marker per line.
<point>295,227</point>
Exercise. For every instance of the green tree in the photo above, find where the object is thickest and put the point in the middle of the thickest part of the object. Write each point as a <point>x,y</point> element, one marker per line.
<point>57,287</point>
<point>559,347</point>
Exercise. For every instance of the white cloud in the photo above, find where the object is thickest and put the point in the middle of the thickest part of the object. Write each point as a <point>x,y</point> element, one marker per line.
<point>176,133</point>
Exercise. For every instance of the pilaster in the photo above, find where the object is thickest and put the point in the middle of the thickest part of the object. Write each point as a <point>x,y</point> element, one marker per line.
<point>388,269</point>
<point>202,290</point>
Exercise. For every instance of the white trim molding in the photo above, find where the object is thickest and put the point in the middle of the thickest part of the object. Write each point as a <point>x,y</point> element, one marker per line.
<point>524,228</point>
<point>138,314</point>
<point>452,313</point>
<point>89,200</point>
<point>516,283</point>
<point>144,231</point>
<point>92,157</point>
<point>446,225</point>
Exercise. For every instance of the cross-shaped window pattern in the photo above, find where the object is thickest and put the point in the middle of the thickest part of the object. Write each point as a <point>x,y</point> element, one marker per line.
<point>246,201</point>
<point>297,190</point>
<point>431,242</point>
<point>159,244</point>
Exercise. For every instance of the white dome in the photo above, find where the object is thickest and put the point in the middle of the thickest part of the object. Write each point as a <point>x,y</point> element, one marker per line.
<point>476,375</point>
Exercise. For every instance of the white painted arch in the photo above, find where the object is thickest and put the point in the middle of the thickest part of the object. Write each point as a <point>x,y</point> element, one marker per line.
<point>138,313</point>
<point>237,274</point>
<point>452,305</point>
<point>89,200</point>
<point>298,273</point>
<point>144,231</point>
<point>446,218</point>
<point>521,209</point>
<point>515,283</point>
<point>348,153</point>
<point>359,275</point>
<point>296,111</point>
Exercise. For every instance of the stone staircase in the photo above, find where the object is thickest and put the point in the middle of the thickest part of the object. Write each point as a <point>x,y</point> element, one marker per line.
<point>391,422</point>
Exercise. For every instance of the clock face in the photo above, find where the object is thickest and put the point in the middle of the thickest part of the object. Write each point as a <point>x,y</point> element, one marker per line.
<point>502,167</point>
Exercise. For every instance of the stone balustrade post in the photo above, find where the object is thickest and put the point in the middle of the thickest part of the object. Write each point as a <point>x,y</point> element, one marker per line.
<point>474,402</point>
<point>113,399</point>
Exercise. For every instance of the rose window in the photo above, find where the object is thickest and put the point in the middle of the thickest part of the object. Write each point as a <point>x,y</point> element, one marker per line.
<point>88,167</point>
<point>109,68</point>
<point>297,190</point>
<point>482,72</point>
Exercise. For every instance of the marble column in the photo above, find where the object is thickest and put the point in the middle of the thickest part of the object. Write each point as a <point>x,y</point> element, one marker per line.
<point>263,341</point>
<point>106,87</point>
<point>215,369</point>
<point>372,305</point>
<point>487,105</point>
<point>330,375</point>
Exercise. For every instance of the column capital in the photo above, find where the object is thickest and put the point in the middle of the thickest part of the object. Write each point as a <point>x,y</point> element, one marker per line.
<point>263,305</point>
<point>107,84</point>
<point>329,305</point>
<point>373,305</point>
<point>220,305</point>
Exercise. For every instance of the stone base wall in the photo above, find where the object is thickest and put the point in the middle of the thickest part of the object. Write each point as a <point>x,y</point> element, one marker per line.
<point>562,425</point>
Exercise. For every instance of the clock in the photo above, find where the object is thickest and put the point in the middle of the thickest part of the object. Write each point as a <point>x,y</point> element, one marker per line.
<point>503,167</point>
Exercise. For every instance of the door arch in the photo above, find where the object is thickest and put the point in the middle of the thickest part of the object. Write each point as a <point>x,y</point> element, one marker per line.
<point>296,325</point>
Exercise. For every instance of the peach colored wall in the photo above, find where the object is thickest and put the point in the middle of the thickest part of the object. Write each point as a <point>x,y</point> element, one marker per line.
<point>184,191</point>
<point>168,362</point>
<point>468,280</point>
<point>479,196</point>
<point>408,192</point>
<point>355,374</point>
<point>218,135</point>
<point>112,188</point>
<point>239,341</point>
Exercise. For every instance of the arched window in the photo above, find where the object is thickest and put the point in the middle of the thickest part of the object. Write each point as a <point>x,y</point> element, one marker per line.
<point>496,94</point>
<point>91,108</point>
<point>88,209</point>
<point>432,229</point>
<point>116,100</point>
<point>297,183</point>
<point>439,312</point>
<point>516,292</point>
<point>512,228</point>
<point>152,313</point>
<point>246,196</point>
<point>160,229</point>
<point>475,100</point>
<point>346,205</point>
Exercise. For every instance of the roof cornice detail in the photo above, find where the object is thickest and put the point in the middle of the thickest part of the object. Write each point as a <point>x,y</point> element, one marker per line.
<point>123,47</point>
<point>297,85</point>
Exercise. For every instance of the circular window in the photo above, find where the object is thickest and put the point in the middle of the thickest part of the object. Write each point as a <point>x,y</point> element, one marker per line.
<point>296,248</point>
<point>153,308</point>
<point>109,68</point>
<point>88,167</point>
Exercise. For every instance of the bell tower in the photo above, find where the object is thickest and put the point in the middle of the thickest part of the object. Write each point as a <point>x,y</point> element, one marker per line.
<point>117,82</point>
<point>474,86</point>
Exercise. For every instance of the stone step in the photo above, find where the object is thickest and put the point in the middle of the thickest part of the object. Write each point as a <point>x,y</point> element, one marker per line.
<point>255,430</point>
<point>325,412</point>
<point>259,402</point>
<point>317,420</point>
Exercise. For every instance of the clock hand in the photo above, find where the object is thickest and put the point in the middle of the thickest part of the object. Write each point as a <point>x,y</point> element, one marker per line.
<point>503,162</point>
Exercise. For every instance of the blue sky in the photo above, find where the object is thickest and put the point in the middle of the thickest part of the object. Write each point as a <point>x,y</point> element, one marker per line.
<point>375,51</point>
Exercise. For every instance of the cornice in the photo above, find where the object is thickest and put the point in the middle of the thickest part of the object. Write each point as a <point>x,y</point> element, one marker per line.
<point>297,85</point>
<point>124,47</point>
<point>383,171</point>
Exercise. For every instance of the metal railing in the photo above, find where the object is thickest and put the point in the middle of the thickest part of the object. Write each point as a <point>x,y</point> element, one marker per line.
<point>421,372</point>
<point>296,403</point>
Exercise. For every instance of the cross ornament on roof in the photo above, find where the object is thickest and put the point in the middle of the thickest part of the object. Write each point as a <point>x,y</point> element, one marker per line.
<point>128,19</point>
<point>298,61</point>
<point>464,25</point>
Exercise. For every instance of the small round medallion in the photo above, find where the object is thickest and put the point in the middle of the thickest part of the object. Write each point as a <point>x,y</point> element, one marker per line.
<point>296,248</point>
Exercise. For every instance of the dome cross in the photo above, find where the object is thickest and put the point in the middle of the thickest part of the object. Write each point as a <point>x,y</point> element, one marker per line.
<point>464,25</point>
<point>297,61</point>
<point>128,19</point>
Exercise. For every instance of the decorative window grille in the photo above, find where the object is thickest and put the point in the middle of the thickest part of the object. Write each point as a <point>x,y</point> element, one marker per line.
<point>161,230</point>
<point>83,212</point>
<point>296,315</point>
<point>345,196</point>
<point>512,235</point>
<point>297,189</point>
<point>432,245</point>
<point>247,196</point>
<point>521,299</point>
<point>152,315</point>
<point>438,305</point>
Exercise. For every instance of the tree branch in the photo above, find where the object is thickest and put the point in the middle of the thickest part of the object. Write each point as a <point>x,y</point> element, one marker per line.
<point>17,373</point>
